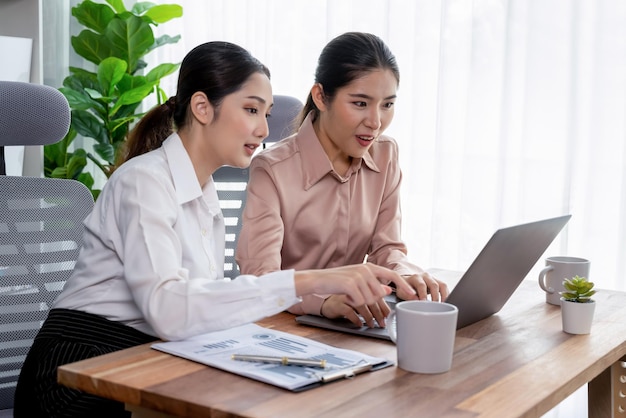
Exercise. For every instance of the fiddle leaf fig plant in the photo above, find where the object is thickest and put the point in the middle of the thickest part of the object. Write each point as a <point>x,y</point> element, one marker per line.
<point>578,289</point>
<point>105,100</point>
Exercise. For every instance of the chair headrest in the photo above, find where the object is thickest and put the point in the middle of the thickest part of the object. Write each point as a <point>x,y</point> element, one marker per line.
<point>284,113</point>
<point>32,114</point>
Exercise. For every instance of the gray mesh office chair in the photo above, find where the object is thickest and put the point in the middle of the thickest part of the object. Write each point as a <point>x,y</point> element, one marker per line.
<point>231,182</point>
<point>41,227</point>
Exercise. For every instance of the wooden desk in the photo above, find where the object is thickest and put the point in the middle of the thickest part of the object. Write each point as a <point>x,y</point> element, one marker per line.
<point>517,363</point>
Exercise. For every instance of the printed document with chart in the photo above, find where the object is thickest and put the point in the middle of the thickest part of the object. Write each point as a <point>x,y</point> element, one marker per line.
<point>216,349</point>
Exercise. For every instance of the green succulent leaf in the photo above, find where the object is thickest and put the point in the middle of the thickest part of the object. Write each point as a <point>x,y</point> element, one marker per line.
<point>578,289</point>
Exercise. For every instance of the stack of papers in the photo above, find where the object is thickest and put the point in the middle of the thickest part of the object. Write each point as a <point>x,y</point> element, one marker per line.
<point>216,349</point>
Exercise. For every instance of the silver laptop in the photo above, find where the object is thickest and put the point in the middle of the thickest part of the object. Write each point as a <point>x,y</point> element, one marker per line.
<point>487,284</point>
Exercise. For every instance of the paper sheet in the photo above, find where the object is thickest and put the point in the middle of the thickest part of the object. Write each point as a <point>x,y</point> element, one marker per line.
<point>215,349</point>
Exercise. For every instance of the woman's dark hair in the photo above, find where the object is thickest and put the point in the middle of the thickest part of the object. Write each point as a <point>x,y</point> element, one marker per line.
<point>346,58</point>
<point>215,68</point>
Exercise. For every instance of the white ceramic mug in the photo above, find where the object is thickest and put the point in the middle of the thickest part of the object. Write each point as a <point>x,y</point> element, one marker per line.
<point>558,269</point>
<point>424,333</point>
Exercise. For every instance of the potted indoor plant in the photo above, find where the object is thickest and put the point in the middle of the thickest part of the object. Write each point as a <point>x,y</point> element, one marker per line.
<point>577,307</point>
<point>105,99</point>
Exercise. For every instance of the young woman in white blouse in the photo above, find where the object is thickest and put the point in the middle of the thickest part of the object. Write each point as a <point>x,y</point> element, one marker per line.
<point>152,261</point>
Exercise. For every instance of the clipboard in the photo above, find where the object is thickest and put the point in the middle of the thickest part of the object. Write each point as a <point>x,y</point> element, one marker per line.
<point>217,349</point>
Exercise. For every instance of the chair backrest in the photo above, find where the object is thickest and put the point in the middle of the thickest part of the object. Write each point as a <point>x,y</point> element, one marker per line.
<point>231,182</point>
<point>41,226</point>
<point>282,121</point>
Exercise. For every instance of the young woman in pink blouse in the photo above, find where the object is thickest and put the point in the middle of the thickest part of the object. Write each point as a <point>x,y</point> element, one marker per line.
<point>329,195</point>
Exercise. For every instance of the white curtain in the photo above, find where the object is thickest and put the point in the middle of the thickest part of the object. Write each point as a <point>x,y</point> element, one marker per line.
<point>508,111</point>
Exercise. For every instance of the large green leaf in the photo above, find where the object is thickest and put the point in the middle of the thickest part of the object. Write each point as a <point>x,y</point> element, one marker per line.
<point>59,173</point>
<point>89,126</point>
<point>80,79</point>
<point>132,96</point>
<point>55,155</point>
<point>140,7</point>
<point>91,46</point>
<point>88,181</point>
<point>110,72</point>
<point>92,15</point>
<point>118,134</point>
<point>130,39</point>
<point>164,40</point>
<point>160,71</point>
<point>118,5</point>
<point>78,100</point>
<point>105,151</point>
<point>164,12</point>
<point>76,164</point>
<point>129,82</point>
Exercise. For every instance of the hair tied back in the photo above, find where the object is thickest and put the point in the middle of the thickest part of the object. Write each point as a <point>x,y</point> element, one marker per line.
<point>171,103</point>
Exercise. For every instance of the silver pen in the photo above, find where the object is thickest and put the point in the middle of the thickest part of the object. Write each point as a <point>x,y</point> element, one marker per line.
<point>285,361</point>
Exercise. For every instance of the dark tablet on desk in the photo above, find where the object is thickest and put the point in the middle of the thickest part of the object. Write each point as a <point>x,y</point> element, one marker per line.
<point>487,284</point>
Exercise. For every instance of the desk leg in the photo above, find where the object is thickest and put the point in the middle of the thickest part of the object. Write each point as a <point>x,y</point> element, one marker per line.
<point>607,392</point>
<point>140,412</point>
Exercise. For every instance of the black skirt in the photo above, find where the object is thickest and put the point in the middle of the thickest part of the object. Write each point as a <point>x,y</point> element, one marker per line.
<point>65,337</point>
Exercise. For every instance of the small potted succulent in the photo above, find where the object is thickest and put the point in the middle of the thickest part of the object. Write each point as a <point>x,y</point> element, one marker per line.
<point>577,307</point>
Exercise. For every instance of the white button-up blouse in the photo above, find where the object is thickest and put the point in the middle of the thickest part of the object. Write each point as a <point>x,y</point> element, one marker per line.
<point>153,255</point>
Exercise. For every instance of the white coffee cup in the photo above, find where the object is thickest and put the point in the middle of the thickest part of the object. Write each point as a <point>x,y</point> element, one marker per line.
<point>424,333</point>
<point>558,269</point>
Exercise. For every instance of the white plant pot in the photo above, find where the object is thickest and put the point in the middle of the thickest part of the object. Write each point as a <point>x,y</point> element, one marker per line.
<point>577,317</point>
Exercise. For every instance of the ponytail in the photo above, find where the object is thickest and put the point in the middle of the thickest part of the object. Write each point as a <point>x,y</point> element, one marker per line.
<point>150,132</point>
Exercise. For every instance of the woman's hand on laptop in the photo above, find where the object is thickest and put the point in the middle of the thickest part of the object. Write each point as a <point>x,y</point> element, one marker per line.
<point>360,284</point>
<point>337,306</point>
<point>424,284</point>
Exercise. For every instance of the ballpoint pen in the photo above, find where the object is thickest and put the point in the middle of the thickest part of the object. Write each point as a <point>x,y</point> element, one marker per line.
<point>285,361</point>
